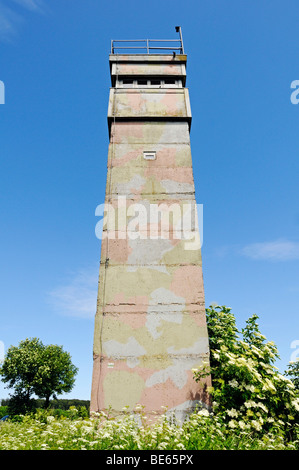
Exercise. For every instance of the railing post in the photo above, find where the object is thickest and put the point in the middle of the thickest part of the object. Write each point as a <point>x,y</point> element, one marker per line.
<point>179,30</point>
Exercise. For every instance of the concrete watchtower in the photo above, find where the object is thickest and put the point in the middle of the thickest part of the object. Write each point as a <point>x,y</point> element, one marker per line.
<point>150,325</point>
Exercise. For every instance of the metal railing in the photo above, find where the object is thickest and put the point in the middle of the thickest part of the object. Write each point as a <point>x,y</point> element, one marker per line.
<point>131,45</point>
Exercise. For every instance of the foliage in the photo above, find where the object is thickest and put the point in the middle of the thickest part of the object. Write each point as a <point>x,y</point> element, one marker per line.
<point>293,373</point>
<point>43,431</point>
<point>254,406</point>
<point>33,368</point>
<point>65,403</point>
<point>3,411</point>
<point>60,403</point>
<point>72,413</point>
<point>248,391</point>
<point>20,403</point>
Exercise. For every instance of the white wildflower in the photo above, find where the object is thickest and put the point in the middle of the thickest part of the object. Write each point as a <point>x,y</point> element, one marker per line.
<point>203,412</point>
<point>233,383</point>
<point>138,407</point>
<point>180,446</point>
<point>262,406</point>
<point>256,425</point>
<point>268,385</point>
<point>250,388</point>
<point>233,413</point>
<point>232,423</point>
<point>162,445</point>
<point>250,404</point>
<point>295,404</point>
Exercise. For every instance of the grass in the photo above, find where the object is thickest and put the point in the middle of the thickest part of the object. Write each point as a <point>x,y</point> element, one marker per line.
<point>43,431</point>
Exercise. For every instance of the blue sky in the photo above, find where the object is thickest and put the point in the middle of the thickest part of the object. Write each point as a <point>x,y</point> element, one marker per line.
<point>242,59</point>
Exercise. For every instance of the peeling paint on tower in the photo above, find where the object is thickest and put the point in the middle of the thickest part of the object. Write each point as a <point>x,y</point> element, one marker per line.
<point>150,326</point>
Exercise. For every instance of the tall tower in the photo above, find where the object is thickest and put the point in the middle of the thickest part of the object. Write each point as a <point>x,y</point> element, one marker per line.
<point>150,325</point>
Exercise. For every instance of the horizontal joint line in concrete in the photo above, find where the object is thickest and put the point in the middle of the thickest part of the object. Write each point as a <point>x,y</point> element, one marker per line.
<point>155,356</point>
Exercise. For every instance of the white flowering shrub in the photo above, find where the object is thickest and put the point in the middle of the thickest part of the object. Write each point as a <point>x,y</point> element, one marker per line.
<point>254,406</point>
<point>293,372</point>
<point>248,392</point>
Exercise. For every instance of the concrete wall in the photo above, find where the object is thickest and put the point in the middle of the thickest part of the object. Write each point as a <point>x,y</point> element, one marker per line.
<point>134,103</point>
<point>150,326</point>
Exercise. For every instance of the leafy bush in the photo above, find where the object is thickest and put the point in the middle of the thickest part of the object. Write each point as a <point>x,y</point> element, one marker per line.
<point>254,406</point>
<point>72,413</point>
<point>19,403</point>
<point>3,411</point>
<point>64,403</point>
<point>61,405</point>
<point>249,394</point>
<point>293,372</point>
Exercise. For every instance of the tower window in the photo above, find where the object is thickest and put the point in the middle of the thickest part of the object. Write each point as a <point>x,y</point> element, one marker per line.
<point>142,82</point>
<point>169,81</point>
<point>172,83</point>
<point>128,82</point>
<point>155,82</point>
<point>151,83</point>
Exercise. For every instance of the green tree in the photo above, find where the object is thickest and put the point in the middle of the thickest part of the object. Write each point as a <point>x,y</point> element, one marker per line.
<point>34,368</point>
<point>56,373</point>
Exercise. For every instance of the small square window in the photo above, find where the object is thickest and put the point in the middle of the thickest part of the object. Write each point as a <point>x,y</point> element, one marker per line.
<point>169,81</point>
<point>128,83</point>
<point>149,155</point>
<point>142,82</point>
<point>155,82</point>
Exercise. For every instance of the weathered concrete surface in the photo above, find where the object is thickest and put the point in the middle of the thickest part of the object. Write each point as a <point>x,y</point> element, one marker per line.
<point>153,69</point>
<point>149,65</point>
<point>161,103</point>
<point>150,325</point>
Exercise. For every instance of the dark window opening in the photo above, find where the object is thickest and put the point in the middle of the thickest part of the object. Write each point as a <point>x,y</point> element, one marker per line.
<point>169,81</point>
<point>142,81</point>
<point>127,81</point>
